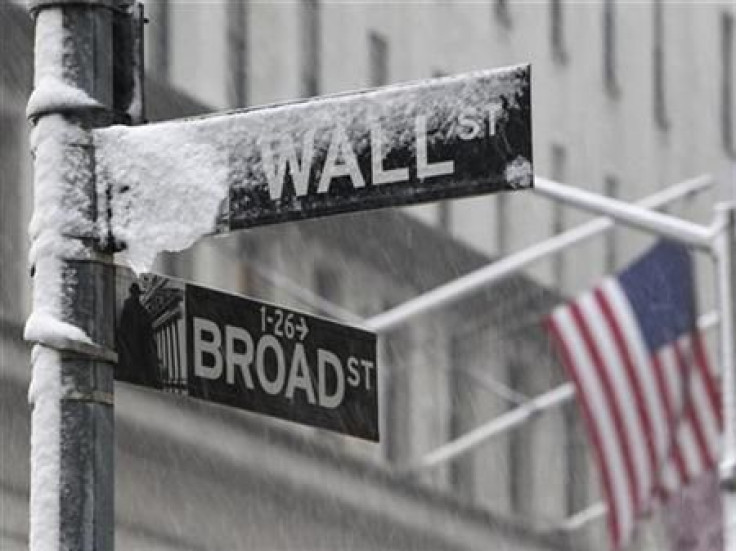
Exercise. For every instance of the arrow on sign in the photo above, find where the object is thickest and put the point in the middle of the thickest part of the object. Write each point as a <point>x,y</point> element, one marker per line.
<point>244,353</point>
<point>303,329</point>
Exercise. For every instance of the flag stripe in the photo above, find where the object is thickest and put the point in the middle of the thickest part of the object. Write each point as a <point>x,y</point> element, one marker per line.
<point>710,384</point>
<point>650,400</point>
<point>634,382</point>
<point>655,400</point>
<point>685,439</point>
<point>621,395</point>
<point>708,420</point>
<point>689,413</point>
<point>594,386</point>
<point>593,429</point>
<point>672,446</point>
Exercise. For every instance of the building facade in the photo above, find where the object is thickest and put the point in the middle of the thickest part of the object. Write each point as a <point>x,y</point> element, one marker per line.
<point>628,98</point>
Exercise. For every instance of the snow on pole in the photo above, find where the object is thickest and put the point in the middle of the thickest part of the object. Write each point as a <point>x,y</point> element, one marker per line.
<point>71,503</point>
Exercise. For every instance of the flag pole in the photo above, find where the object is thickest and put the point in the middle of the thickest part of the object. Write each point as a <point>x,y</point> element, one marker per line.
<point>487,275</point>
<point>724,248</point>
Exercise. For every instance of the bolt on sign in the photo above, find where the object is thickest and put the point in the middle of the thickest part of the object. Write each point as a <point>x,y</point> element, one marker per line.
<point>252,355</point>
<point>397,145</point>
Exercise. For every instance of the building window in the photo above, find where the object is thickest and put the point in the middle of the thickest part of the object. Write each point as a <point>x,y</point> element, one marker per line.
<point>557,31</point>
<point>612,190</point>
<point>609,48</point>
<point>327,285</point>
<point>520,444</point>
<point>237,49</point>
<point>397,433</point>
<point>559,174</point>
<point>461,391</point>
<point>577,464</point>
<point>310,47</point>
<point>162,39</point>
<point>378,47</point>
<point>503,13</point>
<point>658,88</point>
<point>727,84</point>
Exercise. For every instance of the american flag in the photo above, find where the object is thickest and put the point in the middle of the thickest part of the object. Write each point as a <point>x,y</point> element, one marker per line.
<point>649,397</point>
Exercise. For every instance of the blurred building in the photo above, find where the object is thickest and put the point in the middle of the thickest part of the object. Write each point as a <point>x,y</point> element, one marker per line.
<point>627,99</point>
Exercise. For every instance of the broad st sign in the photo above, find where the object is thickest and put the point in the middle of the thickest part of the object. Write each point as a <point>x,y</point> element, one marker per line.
<point>247,354</point>
<point>398,145</point>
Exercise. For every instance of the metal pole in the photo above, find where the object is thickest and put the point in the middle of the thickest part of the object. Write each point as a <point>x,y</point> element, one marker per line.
<point>487,275</point>
<point>482,434</point>
<point>71,323</point>
<point>471,440</point>
<point>659,224</point>
<point>725,251</point>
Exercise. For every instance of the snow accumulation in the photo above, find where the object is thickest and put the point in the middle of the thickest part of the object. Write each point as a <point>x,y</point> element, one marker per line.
<point>60,211</point>
<point>166,187</point>
<point>170,183</point>
<point>63,213</point>
<point>519,173</point>
<point>53,95</point>
<point>45,394</point>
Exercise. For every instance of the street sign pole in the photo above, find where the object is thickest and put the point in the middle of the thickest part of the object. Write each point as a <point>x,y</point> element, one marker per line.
<point>72,446</point>
<point>725,250</point>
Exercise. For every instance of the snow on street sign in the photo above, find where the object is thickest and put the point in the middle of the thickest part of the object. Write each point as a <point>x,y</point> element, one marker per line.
<point>398,145</point>
<point>244,353</point>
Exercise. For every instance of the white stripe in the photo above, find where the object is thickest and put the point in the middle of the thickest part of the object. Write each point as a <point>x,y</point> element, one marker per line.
<point>685,437</point>
<point>672,477</point>
<point>671,376</point>
<point>623,393</point>
<point>705,415</point>
<point>690,449</point>
<point>640,357</point>
<point>611,452</point>
<point>702,407</point>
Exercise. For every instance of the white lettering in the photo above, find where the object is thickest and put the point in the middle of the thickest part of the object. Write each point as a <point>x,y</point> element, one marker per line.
<point>265,343</point>
<point>349,166</point>
<point>494,113</point>
<point>469,127</point>
<point>325,358</point>
<point>299,375</point>
<point>379,175</point>
<point>287,157</point>
<point>353,373</point>
<point>241,359</point>
<point>211,347</point>
<point>367,366</point>
<point>426,169</point>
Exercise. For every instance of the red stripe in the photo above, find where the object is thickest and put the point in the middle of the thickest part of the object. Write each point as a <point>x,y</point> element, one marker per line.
<point>570,367</point>
<point>689,410</point>
<point>613,406</point>
<point>633,378</point>
<point>711,387</point>
<point>673,444</point>
<point>708,461</point>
